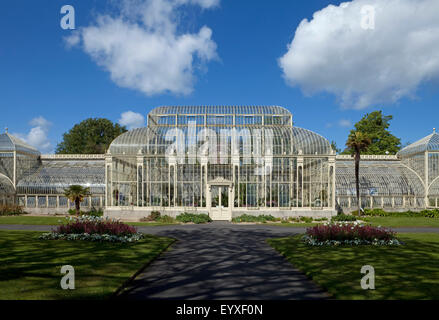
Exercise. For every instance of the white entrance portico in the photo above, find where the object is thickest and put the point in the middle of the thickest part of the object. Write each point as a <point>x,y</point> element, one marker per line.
<point>220,195</point>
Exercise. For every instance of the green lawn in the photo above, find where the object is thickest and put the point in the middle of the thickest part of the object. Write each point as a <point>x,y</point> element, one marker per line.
<point>402,221</point>
<point>30,268</point>
<point>410,271</point>
<point>32,220</point>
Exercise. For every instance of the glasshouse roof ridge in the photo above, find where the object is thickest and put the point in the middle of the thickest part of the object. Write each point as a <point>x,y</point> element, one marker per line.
<point>221,109</point>
<point>428,143</point>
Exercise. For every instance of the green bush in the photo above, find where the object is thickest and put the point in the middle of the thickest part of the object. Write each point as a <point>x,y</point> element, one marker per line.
<point>250,218</point>
<point>344,217</point>
<point>195,218</point>
<point>433,213</point>
<point>306,219</point>
<point>166,219</point>
<point>11,210</point>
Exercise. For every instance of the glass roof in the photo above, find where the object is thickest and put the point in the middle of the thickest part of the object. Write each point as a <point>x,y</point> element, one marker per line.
<point>56,175</point>
<point>220,110</point>
<point>378,178</point>
<point>6,187</point>
<point>429,143</point>
<point>287,140</point>
<point>9,143</point>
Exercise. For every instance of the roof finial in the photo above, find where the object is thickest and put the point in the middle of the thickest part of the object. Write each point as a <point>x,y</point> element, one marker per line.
<point>6,130</point>
<point>434,130</point>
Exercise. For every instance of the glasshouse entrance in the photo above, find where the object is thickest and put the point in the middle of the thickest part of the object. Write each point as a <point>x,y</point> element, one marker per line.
<point>220,201</point>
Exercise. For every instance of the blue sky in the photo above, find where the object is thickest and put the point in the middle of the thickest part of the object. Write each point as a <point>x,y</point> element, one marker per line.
<point>46,84</point>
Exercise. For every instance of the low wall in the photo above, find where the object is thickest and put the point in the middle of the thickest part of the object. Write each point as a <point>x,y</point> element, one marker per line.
<point>47,211</point>
<point>325,213</point>
<point>136,213</point>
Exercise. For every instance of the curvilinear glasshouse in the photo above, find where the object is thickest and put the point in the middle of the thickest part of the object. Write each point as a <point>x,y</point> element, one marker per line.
<point>224,161</point>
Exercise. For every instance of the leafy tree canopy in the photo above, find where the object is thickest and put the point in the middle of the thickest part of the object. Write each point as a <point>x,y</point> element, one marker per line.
<point>92,136</point>
<point>376,126</point>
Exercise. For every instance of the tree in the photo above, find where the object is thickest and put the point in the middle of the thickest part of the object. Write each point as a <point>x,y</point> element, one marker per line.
<point>376,126</point>
<point>76,194</point>
<point>92,136</point>
<point>334,147</point>
<point>357,142</point>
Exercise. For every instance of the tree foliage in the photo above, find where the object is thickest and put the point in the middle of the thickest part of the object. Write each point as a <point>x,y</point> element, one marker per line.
<point>376,126</point>
<point>91,136</point>
<point>76,194</point>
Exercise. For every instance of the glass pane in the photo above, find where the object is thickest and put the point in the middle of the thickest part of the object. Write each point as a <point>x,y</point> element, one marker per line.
<point>215,196</point>
<point>225,197</point>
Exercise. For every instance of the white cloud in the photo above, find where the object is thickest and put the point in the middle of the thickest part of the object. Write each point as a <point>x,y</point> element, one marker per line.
<point>142,50</point>
<point>345,123</point>
<point>333,53</point>
<point>132,120</point>
<point>37,136</point>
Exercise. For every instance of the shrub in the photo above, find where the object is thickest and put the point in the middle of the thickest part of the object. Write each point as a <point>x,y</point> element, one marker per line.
<point>250,218</point>
<point>344,217</point>
<point>433,213</point>
<point>166,219</point>
<point>11,210</point>
<point>306,219</point>
<point>195,218</point>
<point>155,215</point>
<point>349,233</point>
<point>94,229</point>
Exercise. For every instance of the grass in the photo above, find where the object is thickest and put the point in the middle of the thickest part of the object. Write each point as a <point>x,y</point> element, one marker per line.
<point>33,220</point>
<point>30,268</point>
<point>410,271</point>
<point>402,221</point>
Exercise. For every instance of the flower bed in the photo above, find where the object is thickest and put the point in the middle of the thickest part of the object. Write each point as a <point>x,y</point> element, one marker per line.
<point>94,229</point>
<point>349,234</point>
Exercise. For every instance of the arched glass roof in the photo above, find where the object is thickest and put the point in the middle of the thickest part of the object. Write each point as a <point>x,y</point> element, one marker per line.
<point>429,143</point>
<point>9,143</point>
<point>286,140</point>
<point>56,175</point>
<point>6,187</point>
<point>220,110</point>
<point>377,178</point>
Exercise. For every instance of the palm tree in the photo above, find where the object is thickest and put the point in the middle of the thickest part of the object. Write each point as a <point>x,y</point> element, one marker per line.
<point>357,142</point>
<point>76,194</point>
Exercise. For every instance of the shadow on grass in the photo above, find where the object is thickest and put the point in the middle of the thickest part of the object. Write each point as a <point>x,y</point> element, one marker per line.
<point>30,268</point>
<point>410,271</point>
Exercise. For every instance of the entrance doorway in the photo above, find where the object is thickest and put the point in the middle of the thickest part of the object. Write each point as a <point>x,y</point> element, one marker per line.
<point>220,202</point>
